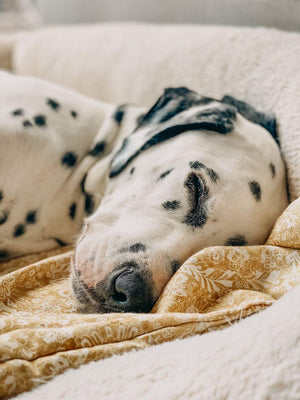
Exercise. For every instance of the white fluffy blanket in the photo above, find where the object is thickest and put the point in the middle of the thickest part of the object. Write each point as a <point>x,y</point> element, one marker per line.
<point>257,358</point>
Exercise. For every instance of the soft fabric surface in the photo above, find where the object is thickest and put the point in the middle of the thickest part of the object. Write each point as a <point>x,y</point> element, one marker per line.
<point>257,358</point>
<point>42,335</point>
<point>134,63</point>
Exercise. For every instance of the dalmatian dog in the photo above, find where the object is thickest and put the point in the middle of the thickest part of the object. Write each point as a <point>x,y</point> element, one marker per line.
<point>139,191</point>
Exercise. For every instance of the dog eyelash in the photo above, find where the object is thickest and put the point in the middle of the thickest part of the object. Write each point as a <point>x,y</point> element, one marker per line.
<point>196,187</point>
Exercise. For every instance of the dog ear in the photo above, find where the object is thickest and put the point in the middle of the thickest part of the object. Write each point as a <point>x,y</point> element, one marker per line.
<point>172,102</point>
<point>267,121</point>
<point>218,118</point>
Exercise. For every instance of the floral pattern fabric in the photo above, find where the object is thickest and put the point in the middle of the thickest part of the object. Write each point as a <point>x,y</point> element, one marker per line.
<point>42,335</point>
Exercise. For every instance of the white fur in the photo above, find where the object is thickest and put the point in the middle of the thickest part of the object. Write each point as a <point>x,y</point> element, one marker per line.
<point>31,158</point>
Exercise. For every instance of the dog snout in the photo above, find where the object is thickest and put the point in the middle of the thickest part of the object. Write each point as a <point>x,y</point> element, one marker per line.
<point>128,288</point>
<point>129,291</point>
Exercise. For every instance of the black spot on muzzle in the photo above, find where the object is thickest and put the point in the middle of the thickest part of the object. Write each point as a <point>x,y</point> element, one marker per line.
<point>134,248</point>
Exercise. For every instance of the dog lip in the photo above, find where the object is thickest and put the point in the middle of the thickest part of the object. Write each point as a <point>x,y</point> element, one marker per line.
<point>103,308</point>
<point>88,292</point>
<point>85,291</point>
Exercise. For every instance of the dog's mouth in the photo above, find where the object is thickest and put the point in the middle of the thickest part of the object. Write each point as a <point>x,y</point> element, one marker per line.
<point>86,298</point>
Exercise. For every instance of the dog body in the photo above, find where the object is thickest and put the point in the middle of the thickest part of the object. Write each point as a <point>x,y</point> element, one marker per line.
<point>44,157</point>
<point>152,187</point>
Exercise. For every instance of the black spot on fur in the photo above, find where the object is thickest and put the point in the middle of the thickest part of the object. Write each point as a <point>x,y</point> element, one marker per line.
<point>196,165</point>
<point>17,112</point>
<point>219,118</point>
<point>4,254</point>
<point>199,194</point>
<point>72,210</point>
<point>53,104</point>
<point>238,240</point>
<point>175,265</point>
<point>1,195</point>
<point>255,190</point>
<point>74,114</point>
<point>210,172</point>
<point>171,205</point>
<point>166,173</point>
<point>69,159</point>
<point>3,216</point>
<point>31,217</point>
<point>267,121</point>
<point>171,103</point>
<point>132,170</point>
<point>19,230</point>
<point>27,123</point>
<point>135,248</point>
<point>273,170</point>
<point>119,114</point>
<point>89,203</point>
<point>60,242</point>
<point>40,120</point>
<point>216,119</point>
<point>97,149</point>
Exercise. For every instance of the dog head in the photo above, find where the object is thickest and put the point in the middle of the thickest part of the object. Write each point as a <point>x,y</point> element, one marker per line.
<point>195,172</point>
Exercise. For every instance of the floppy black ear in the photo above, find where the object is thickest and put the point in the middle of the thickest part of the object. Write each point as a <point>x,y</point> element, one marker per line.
<point>265,120</point>
<point>172,102</point>
<point>218,118</point>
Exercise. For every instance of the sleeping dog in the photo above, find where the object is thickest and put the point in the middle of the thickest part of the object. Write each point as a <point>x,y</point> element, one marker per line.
<point>139,191</point>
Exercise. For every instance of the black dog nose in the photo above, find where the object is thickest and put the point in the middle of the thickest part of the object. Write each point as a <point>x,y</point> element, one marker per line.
<point>130,292</point>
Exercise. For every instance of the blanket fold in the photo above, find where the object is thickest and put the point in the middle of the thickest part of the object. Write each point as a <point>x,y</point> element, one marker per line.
<point>42,335</point>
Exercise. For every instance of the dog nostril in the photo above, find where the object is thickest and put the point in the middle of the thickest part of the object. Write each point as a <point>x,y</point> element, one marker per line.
<point>119,297</point>
<point>128,290</point>
<point>121,287</point>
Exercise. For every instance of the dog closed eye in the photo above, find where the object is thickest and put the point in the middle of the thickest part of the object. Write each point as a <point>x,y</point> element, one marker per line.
<point>196,188</point>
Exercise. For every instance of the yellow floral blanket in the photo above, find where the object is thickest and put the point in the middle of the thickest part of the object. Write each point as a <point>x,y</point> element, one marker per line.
<point>41,335</point>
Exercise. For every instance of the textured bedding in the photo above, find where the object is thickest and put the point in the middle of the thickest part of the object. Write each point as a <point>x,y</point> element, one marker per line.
<point>42,335</point>
<point>256,358</point>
